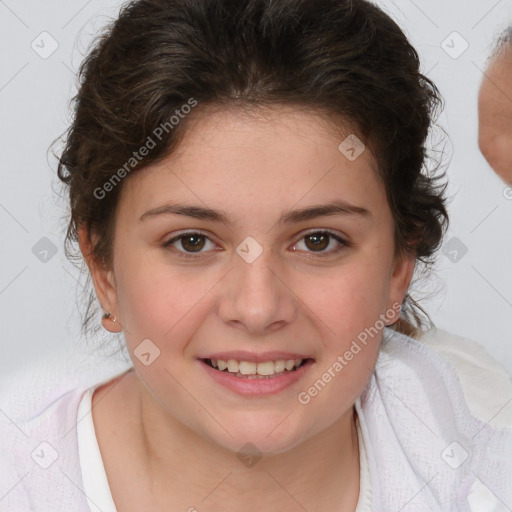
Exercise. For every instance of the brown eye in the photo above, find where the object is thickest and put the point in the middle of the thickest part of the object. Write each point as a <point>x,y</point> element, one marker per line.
<point>187,244</point>
<point>317,241</point>
<point>192,243</point>
<point>324,243</point>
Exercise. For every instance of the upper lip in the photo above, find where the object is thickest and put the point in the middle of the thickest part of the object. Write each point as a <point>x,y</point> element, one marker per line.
<point>242,355</point>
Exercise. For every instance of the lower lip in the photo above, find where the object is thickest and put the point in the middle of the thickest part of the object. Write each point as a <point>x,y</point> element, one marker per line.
<point>256,387</point>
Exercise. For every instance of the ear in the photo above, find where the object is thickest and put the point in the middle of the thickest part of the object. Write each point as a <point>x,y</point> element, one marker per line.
<point>103,278</point>
<point>403,269</point>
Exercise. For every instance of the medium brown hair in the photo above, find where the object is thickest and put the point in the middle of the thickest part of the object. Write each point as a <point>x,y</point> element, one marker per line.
<point>345,59</point>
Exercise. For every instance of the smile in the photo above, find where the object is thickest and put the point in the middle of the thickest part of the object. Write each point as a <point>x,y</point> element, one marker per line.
<point>250,378</point>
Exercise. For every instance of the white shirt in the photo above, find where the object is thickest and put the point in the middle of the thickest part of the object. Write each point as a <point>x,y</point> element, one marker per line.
<point>97,490</point>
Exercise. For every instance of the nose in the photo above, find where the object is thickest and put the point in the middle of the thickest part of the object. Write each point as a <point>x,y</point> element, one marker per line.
<point>256,297</point>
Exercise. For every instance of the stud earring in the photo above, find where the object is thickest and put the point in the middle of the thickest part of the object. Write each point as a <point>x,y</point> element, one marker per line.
<point>107,316</point>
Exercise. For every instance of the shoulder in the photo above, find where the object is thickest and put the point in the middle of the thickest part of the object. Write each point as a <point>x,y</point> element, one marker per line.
<point>43,396</point>
<point>486,385</point>
<point>447,391</point>
<point>487,389</point>
<point>37,444</point>
<point>38,418</point>
<point>31,389</point>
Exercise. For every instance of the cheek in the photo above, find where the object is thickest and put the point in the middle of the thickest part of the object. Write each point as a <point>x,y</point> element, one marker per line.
<point>160,302</point>
<point>347,307</point>
<point>348,299</point>
<point>346,313</point>
<point>338,382</point>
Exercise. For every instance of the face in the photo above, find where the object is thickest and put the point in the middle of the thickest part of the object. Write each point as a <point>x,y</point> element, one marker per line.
<point>255,265</point>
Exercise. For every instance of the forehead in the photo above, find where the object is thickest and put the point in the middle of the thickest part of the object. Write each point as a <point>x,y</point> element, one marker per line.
<point>266,130</point>
<point>271,156</point>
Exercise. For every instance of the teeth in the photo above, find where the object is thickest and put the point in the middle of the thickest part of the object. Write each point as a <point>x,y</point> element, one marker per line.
<point>246,368</point>
<point>266,368</point>
<point>250,368</point>
<point>233,366</point>
<point>279,365</point>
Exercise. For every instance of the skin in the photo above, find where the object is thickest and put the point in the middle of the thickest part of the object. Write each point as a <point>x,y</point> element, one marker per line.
<point>183,429</point>
<point>495,114</point>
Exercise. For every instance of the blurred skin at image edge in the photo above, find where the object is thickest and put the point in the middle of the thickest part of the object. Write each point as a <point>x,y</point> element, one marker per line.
<point>495,110</point>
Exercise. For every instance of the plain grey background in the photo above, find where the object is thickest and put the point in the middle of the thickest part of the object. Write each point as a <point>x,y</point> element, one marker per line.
<point>42,44</point>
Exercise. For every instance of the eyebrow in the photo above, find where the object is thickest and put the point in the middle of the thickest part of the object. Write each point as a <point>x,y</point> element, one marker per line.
<point>288,217</point>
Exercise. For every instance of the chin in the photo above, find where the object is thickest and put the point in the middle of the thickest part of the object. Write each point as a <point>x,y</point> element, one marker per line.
<point>266,438</point>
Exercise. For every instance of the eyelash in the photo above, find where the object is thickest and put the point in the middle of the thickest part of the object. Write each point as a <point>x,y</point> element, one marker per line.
<point>343,244</point>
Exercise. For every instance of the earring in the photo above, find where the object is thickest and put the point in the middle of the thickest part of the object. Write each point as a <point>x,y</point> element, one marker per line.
<point>107,316</point>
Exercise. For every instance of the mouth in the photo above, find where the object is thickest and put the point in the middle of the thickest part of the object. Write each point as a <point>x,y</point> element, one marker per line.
<point>262,370</point>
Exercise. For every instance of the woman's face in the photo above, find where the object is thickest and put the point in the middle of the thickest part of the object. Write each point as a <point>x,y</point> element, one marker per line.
<point>259,279</point>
